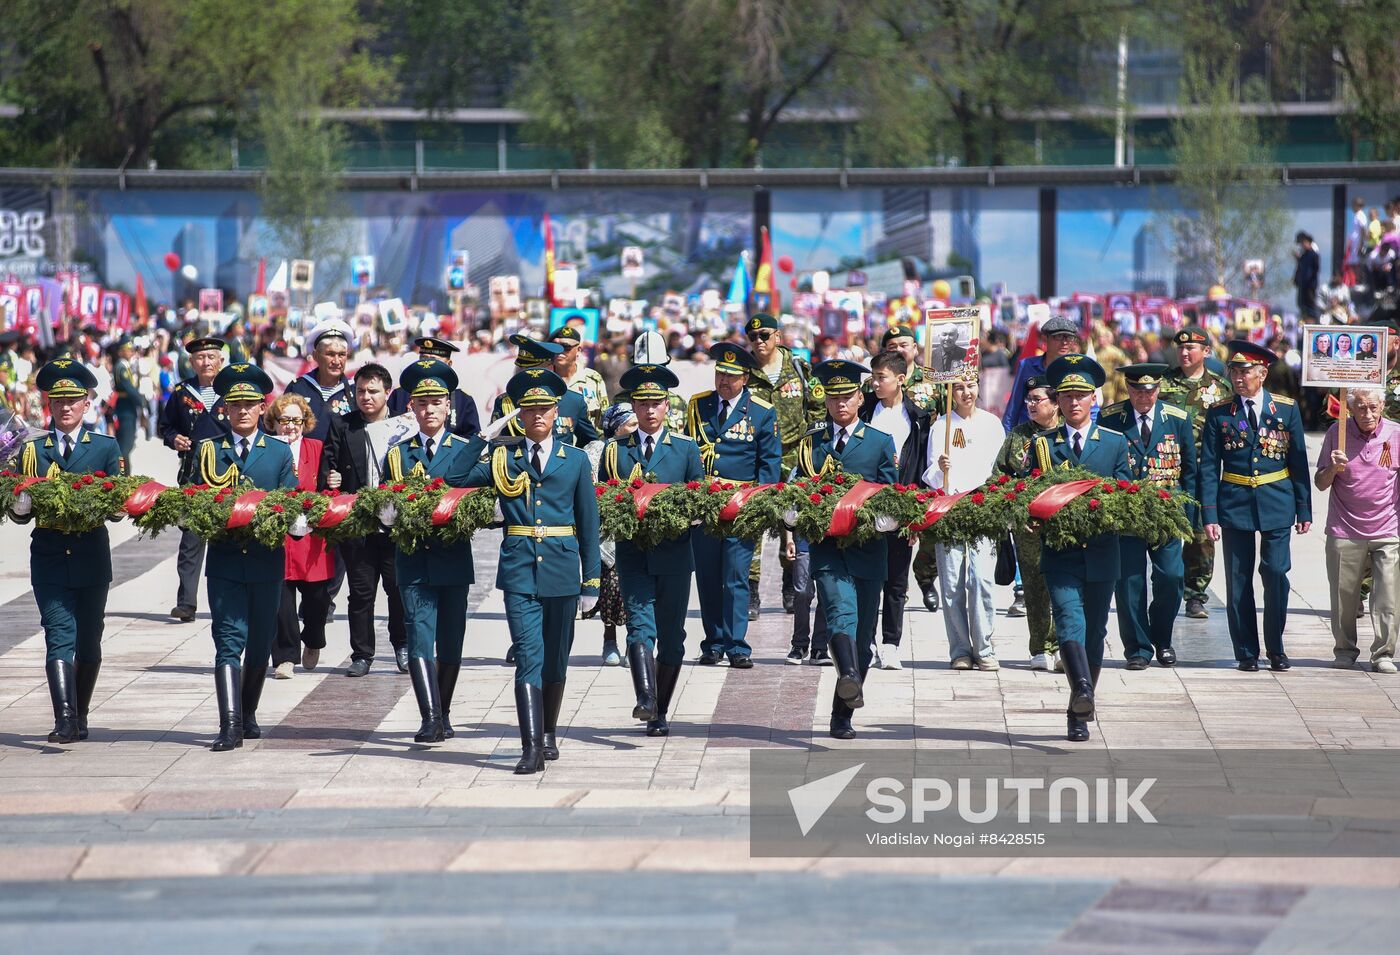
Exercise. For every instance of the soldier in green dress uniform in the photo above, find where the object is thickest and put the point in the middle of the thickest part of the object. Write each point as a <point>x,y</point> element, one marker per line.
<point>1194,387</point>
<point>244,577</point>
<point>69,573</point>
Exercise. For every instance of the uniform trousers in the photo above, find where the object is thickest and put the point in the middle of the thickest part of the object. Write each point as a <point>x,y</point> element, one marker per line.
<point>852,607</point>
<point>435,617</point>
<point>245,620</point>
<point>542,632</point>
<point>1080,606</point>
<point>722,579</point>
<point>72,618</point>
<point>1275,560</point>
<point>655,606</point>
<point>1143,627</point>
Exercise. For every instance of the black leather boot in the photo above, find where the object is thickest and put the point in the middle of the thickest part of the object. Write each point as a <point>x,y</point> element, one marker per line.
<point>63,693</point>
<point>253,679</point>
<point>553,699</point>
<point>447,671</point>
<point>1077,731</point>
<point>529,711</point>
<point>841,727</point>
<point>1081,683</point>
<point>228,686</point>
<point>86,679</point>
<point>425,687</point>
<point>666,677</point>
<point>843,651</point>
<point>643,667</point>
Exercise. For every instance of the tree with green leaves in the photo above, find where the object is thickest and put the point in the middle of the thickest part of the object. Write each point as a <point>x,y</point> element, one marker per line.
<point>125,81</point>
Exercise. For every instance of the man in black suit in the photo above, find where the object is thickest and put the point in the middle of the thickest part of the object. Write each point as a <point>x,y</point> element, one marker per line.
<point>360,440</point>
<point>1306,273</point>
<point>888,409</point>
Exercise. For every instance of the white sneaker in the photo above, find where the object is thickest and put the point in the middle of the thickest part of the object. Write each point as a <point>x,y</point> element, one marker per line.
<point>962,663</point>
<point>988,663</point>
<point>1059,663</point>
<point>1383,665</point>
<point>889,657</point>
<point>283,671</point>
<point>1041,661</point>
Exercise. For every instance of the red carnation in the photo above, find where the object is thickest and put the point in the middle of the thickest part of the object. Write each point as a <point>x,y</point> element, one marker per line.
<point>1011,495</point>
<point>328,493</point>
<point>840,479</point>
<point>99,473</point>
<point>636,484</point>
<point>1123,485</point>
<point>1109,489</point>
<point>826,489</point>
<point>600,491</point>
<point>1035,472</point>
<point>1133,488</point>
<point>191,492</point>
<point>619,497</point>
<point>978,497</point>
<point>1020,485</point>
<point>277,508</point>
<point>308,503</point>
<point>815,498</point>
<point>107,485</point>
<point>87,478</point>
<point>921,498</point>
<point>780,485</point>
<point>412,496</point>
<point>400,488</point>
<point>1093,503</point>
<point>1164,495</point>
<point>1003,479</point>
<point>613,482</point>
<point>692,485</point>
<point>383,485</point>
<point>714,488</point>
<point>219,498</point>
<point>77,485</point>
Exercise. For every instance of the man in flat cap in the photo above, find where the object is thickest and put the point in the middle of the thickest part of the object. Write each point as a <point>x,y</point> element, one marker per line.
<point>1061,337</point>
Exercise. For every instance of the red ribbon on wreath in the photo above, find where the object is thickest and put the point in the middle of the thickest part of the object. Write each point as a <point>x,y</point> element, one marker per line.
<point>447,504</point>
<point>641,496</point>
<point>740,498</point>
<point>843,518</point>
<point>25,484</point>
<point>937,507</point>
<point>143,498</point>
<point>1049,501</point>
<point>336,511</point>
<point>243,509</point>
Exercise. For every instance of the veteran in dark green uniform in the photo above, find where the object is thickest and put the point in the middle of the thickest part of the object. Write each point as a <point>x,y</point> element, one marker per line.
<point>655,583</point>
<point>126,411</point>
<point>244,577</point>
<point>572,423</point>
<point>435,579</point>
<point>1255,492</point>
<point>1081,579</point>
<point>849,580</point>
<point>69,573</point>
<point>1194,387</point>
<point>927,396</point>
<point>1161,450</point>
<point>784,381</point>
<point>549,564</point>
<point>737,433</point>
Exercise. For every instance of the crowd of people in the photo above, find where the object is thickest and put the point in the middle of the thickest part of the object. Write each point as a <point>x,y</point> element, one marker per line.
<point>1218,419</point>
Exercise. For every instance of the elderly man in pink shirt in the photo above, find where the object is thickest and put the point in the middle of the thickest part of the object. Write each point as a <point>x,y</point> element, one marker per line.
<point>1362,525</point>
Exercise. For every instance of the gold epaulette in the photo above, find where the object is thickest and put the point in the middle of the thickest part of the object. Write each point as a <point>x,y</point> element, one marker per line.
<point>506,486</point>
<point>759,401</point>
<point>1283,399</point>
<point>393,464</point>
<point>1172,411</point>
<point>1042,454</point>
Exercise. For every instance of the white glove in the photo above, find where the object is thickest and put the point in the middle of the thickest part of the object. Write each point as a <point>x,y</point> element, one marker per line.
<point>23,505</point>
<point>790,517</point>
<point>300,527</point>
<point>586,604</point>
<point>884,523</point>
<point>492,430</point>
<point>388,514</point>
<point>498,516</point>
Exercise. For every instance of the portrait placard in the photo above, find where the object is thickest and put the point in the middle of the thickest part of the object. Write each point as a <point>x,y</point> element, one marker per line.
<point>952,343</point>
<point>1344,356</point>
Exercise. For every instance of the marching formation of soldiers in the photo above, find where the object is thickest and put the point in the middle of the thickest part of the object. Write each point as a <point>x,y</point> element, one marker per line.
<point>1234,447</point>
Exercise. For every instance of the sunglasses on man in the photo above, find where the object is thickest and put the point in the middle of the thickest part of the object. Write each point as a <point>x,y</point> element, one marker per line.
<point>760,336</point>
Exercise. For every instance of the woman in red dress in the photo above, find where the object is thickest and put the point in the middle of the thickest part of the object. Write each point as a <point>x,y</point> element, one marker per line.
<point>310,561</point>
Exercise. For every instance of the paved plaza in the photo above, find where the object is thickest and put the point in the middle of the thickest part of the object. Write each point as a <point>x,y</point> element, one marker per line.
<point>337,833</point>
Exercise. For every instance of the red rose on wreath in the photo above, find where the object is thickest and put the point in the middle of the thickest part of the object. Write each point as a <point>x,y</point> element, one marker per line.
<point>87,478</point>
<point>308,503</point>
<point>1011,495</point>
<point>978,497</point>
<point>815,498</point>
<point>827,489</point>
<point>412,496</point>
<point>1003,479</point>
<point>191,492</point>
<point>1020,485</point>
<point>1133,488</point>
<point>77,485</point>
<point>1164,495</point>
<point>101,474</point>
<point>601,491</point>
<point>107,485</point>
<point>1124,485</point>
<point>1035,472</point>
<point>780,485</point>
<point>619,497</point>
<point>1093,503</point>
<point>921,498</point>
<point>840,479</point>
<point>612,482</point>
<point>400,488</point>
<point>692,485</point>
<point>636,484</point>
<point>277,508</point>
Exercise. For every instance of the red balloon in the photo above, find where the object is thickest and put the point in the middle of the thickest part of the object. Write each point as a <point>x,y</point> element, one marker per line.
<point>792,284</point>
<point>785,263</point>
<point>172,261</point>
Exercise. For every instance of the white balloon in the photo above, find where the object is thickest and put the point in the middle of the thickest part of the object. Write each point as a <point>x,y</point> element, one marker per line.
<point>190,272</point>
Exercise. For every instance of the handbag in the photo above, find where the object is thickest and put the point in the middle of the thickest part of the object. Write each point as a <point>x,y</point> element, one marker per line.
<point>1006,562</point>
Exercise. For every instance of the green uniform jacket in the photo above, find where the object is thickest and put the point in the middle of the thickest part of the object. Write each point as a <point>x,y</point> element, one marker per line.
<point>798,399</point>
<point>1015,457</point>
<point>1195,396</point>
<point>269,467</point>
<point>1230,446</point>
<point>456,461</point>
<point>868,454</point>
<point>675,460</point>
<point>1170,455</point>
<point>70,560</point>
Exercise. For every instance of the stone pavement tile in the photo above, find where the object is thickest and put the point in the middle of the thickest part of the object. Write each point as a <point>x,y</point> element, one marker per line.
<point>161,860</point>
<point>60,801</point>
<point>551,798</point>
<point>552,854</point>
<point>223,798</point>
<point>38,863</point>
<point>652,799</point>
<point>1339,870</point>
<point>1108,867</point>
<point>910,865</point>
<point>342,797</point>
<point>349,856</point>
<point>691,855</point>
<point>1343,919</point>
<point>20,785</point>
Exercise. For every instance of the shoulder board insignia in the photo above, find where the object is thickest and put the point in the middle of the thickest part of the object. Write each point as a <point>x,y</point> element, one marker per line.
<point>759,401</point>
<point>1282,399</point>
<point>1108,430</point>
<point>700,394</point>
<point>678,436</point>
<point>1223,403</point>
<point>507,440</point>
<point>1113,409</point>
<point>1172,411</point>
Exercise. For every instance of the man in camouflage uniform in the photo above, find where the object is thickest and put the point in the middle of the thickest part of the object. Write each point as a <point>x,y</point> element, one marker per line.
<point>784,381</point>
<point>578,376</point>
<point>1193,387</point>
<point>927,396</point>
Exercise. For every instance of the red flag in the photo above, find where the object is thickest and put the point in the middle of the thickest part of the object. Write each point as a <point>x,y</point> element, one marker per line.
<point>548,261</point>
<point>141,309</point>
<point>763,279</point>
<point>262,277</point>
